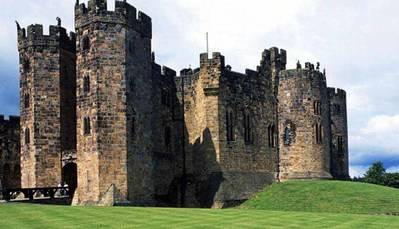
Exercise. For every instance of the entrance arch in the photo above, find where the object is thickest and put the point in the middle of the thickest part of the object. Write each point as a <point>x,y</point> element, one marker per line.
<point>70,175</point>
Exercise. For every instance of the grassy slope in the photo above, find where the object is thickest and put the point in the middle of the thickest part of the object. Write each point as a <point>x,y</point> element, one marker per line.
<point>327,196</point>
<point>41,216</point>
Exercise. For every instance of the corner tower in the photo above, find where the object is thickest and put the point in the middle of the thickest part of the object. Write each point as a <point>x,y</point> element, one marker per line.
<point>47,102</point>
<point>113,104</point>
<point>304,124</point>
<point>339,134</point>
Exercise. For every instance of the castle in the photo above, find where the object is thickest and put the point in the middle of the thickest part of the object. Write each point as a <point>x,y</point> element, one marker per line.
<point>98,113</point>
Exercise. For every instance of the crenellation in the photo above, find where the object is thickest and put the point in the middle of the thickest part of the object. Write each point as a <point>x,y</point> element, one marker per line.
<point>124,14</point>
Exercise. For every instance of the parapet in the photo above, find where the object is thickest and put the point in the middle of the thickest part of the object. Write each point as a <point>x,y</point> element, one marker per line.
<point>336,92</point>
<point>12,120</point>
<point>57,37</point>
<point>278,56</point>
<point>273,56</point>
<point>217,58</point>
<point>124,14</point>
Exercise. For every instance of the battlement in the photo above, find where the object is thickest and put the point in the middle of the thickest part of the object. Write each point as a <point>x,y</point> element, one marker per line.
<point>217,58</point>
<point>336,92</point>
<point>125,14</point>
<point>278,56</point>
<point>12,120</point>
<point>273,56</point>
<point>33,36</point>
<point>163,71</point>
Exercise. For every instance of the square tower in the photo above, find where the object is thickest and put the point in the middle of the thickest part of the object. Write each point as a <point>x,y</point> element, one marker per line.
<point>114,136</point>
<point>47,103</point>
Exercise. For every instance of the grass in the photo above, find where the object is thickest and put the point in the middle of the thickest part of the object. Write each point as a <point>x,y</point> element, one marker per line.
<point>46,216</point>
<point>305,204</point>
<point>327,196</point>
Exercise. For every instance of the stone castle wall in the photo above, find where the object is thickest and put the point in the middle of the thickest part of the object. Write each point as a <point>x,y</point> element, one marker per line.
<point>10,169</point>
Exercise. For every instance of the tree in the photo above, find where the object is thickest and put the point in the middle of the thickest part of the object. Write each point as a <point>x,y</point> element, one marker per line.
<point>376,174</point>
<point>392,180</point>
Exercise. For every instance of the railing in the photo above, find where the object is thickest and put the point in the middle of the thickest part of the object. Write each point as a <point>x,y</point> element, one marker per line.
<point>32,193</point>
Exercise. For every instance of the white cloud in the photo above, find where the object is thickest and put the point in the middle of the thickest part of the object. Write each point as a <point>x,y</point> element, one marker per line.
<point>357,171</point>
<point>394,169</point>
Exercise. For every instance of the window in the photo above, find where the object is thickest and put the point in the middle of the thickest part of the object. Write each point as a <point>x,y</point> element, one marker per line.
<point>248,135</point>
<point>340,145</point>
<point>317,108</point>
<point>26,101</point>
<point>166,98</point>
<point>17,171</point>
<point>27,136</point>
<point>86,84</point>
<point>133,130</point>
<point>271,135</point>
<point>86,126</point>
<point>26,65</point>
<point>319,133</point>
<point>131,47</point>
<point>6,170</point>
<point>167,136</point>
<point>85,43</point>
<point>287,138</point>
<point>230,126</point>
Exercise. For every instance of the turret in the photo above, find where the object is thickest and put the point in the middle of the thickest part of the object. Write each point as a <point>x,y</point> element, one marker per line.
<point>339,133</point>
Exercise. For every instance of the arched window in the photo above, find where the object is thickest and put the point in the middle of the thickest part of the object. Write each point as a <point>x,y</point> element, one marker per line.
<point>340,145</point>
<point>17,171</point>
<point>319,133</point>
<point>26,101</point>
<point>86,84</point>
<point>27,136</point>
<point>86,126</point>
<point>230,126</point>
<point>248,131</point>
<point>85,43</point>
<point>271,135</point>
<point>317,108</point>
<point>167,136</point>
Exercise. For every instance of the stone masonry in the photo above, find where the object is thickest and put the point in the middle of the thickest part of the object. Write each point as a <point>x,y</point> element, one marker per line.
<point>47,103</point>
<point>10,170</point>
<point>99,113</point>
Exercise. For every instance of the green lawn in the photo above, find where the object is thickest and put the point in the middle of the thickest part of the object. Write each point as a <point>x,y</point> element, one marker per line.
<point>45,216</point>
<point>327,196</point>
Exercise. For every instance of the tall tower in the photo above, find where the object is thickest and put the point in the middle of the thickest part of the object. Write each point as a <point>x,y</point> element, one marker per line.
<point>339,134</point>
<point>47,104</point>
<point>304,124</point>
<point>113,104</point>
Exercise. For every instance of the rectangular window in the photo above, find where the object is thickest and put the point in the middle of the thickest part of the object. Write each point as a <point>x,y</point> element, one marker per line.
<point>86,126</point>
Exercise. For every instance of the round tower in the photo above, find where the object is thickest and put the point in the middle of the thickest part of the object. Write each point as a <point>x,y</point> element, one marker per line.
<point>113,104</point>
<point>304,129</point>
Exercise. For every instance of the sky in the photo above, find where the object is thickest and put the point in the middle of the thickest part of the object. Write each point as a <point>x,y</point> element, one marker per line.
<point>357,41</point>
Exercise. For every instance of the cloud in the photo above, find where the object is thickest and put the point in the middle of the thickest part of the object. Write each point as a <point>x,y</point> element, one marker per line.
<point>357,170</point>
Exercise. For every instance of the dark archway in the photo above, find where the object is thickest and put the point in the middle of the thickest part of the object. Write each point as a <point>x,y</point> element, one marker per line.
<point>70,175</point>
